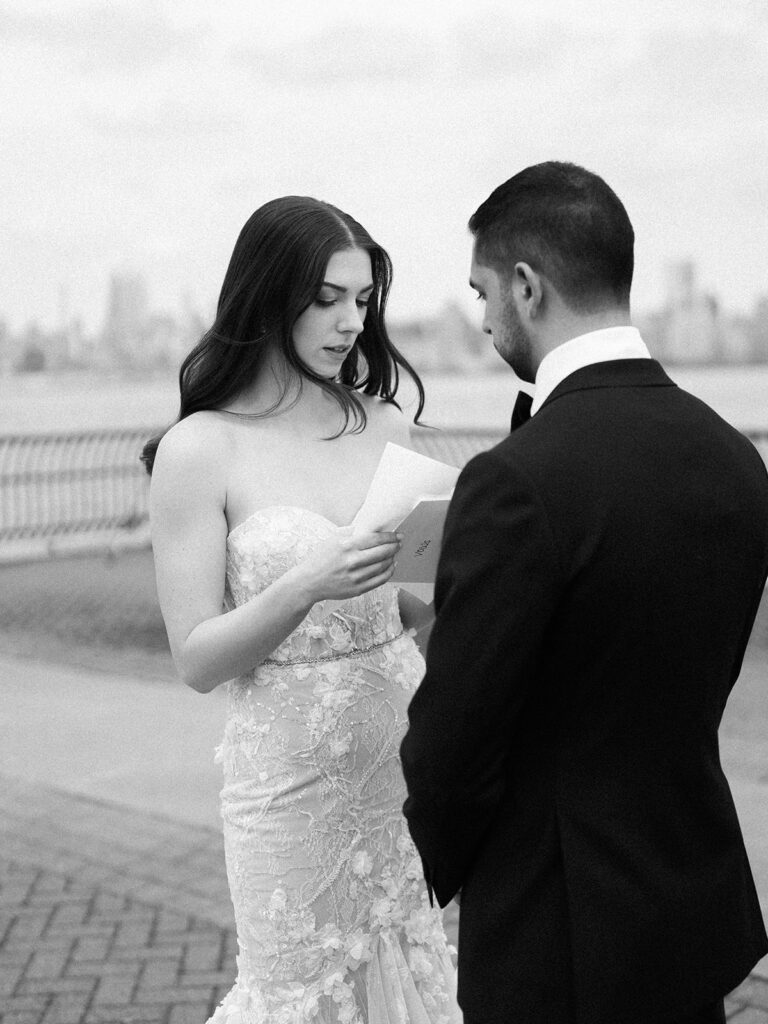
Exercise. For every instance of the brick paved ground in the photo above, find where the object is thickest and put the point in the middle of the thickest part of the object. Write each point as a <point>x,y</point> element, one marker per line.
<point>111,916</point>
<point>108,915</point>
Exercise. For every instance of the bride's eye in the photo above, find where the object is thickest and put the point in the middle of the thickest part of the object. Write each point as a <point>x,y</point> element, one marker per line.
<point>325,302</point>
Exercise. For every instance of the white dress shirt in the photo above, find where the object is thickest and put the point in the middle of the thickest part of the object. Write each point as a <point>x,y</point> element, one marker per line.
<point>594,347</point>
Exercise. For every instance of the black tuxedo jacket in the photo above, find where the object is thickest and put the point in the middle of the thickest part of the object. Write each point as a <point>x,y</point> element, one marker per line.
<point>600,575</point>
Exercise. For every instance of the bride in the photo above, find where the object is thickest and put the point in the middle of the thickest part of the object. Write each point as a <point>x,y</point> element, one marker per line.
<point>287,403</point>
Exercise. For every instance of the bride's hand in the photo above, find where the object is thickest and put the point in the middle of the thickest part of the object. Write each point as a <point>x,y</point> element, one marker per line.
<point>348,564</point>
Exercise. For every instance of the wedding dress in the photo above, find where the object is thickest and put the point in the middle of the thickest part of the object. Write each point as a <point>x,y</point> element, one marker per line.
<point>333,920</point>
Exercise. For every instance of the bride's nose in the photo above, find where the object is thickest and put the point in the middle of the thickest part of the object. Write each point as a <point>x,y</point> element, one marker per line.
<point>351,320</point>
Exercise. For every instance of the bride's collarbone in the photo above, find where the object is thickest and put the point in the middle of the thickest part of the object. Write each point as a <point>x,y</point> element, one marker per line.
<point>331,484</point>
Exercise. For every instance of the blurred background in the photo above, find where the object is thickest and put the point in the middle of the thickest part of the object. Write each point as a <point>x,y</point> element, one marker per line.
<point>138,137</point>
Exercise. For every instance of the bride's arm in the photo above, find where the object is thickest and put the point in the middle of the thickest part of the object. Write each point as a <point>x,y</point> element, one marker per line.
<point>189,535</point>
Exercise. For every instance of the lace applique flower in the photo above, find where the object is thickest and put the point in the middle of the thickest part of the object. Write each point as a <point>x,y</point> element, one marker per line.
<point>358,946</point>
<point>348,1013</point>
<point>339,745</point>
<point>336,978</point>
<point>343,995</point>
<point>250,575</point>
<point>278,902</point>
<point>300,929</point>
<point>362,863</point>
<point>420,964</point>
<point>327,684</point>
<point>404,844</point>
<point>311,1006</point>
<point>420,927</point>
<point>381,912</point>
<point>318,722</point>
<point>389,885</point>
<point>339,639</point>
<point>414,870</point>
<point>329,937</point>
<point>338,698</point>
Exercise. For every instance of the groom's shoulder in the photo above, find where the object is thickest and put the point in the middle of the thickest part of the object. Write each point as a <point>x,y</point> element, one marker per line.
<point>529,441</point>
<point>533,455</point>
<point>510,455</point>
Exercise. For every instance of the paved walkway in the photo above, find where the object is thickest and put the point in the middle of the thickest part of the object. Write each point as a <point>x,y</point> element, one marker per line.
<point>114,905</point>
<point>108,915</point>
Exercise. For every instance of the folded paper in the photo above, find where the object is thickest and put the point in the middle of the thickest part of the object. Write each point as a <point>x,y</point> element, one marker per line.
<point>409,493</point>
<point>402,479</point>
<point>422,532</point>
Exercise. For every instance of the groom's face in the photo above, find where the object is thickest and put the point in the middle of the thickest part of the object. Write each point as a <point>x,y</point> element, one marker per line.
<point>502,320</point>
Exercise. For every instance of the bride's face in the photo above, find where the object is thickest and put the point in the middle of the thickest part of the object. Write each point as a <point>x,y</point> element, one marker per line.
<point>325,332</point>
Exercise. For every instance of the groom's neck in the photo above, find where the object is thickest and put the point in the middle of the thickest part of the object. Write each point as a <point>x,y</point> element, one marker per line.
<point>563,325</point>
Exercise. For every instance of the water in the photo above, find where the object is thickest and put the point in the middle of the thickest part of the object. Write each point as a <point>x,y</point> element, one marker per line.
<point>67,402</point>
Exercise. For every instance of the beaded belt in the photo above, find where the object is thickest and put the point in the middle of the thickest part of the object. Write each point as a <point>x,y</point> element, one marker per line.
<point>334,657</point>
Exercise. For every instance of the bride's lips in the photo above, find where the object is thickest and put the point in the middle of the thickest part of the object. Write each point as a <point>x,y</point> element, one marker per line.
<point>338,350</point>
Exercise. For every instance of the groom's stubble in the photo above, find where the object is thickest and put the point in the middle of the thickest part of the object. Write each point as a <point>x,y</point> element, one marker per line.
<point>514,344</point>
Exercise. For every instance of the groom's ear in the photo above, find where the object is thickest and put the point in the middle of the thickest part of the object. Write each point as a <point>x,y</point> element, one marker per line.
<point>529,289</point>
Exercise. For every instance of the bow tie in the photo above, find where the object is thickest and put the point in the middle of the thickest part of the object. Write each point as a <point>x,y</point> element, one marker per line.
<point>522,411</point>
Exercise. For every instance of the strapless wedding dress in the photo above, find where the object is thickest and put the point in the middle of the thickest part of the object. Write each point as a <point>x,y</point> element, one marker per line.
<point>333,920</point>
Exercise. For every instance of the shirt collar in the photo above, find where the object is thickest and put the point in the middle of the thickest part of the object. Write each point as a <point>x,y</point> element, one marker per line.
<point>595,347</point>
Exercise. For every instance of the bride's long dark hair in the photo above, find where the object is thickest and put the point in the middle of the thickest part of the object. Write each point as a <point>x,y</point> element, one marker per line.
<point>275,273</point>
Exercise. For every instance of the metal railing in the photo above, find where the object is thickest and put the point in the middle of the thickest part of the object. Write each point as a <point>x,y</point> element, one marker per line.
<point>71,483</point>
<point>69,492</point>
<point>87,490</point>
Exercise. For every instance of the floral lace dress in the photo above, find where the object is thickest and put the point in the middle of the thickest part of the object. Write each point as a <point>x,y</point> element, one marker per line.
<point>333,919</point>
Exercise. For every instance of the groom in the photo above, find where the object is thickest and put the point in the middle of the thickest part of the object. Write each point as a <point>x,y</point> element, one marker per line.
<point>600,575</point>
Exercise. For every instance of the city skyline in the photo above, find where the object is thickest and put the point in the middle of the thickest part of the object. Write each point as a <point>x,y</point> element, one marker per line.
<point>144,134</point>
<point>184,306</point>
<point>689,326</point>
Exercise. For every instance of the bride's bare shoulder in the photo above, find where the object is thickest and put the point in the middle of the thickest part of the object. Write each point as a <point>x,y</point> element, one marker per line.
<point>386,419</point>
<point>200,441</point>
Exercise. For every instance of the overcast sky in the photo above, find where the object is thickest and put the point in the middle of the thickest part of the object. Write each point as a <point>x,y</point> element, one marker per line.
<point>143,134</point>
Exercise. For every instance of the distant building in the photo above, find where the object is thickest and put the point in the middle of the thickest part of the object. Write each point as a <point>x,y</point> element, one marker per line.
<point>691,328</point>
<point>737,340</point>
<point>34,351</point>
<point>140,339</point>
<point>80,346</point>
<point>759,325</point>
<point>124,335</point>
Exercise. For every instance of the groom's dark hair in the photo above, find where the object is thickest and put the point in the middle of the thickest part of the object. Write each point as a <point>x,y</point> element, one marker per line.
<point>568,225</point>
